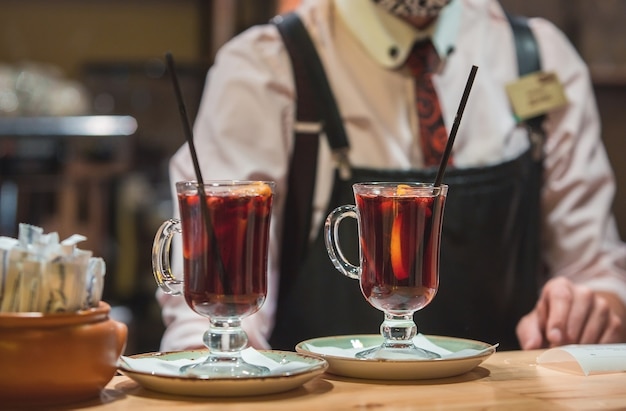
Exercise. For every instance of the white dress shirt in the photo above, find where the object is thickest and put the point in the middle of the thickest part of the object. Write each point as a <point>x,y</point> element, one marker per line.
<point>244,130</point>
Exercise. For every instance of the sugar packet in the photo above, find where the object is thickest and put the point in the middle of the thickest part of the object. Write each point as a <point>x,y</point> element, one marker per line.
<point>40,274</point>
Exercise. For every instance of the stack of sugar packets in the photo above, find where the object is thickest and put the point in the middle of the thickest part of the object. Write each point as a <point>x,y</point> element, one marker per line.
<point>39,273</point>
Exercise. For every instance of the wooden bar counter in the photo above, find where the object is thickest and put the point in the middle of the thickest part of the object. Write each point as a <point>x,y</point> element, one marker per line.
<point>508,380</point>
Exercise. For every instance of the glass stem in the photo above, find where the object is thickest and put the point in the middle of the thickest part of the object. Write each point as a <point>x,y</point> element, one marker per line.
<point>225,338</point>
<point>398,330</point>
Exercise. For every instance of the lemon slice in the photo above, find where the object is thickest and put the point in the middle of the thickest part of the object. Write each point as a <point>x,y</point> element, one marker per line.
<point>261,188</point>
<point>257,188</point>
<point>403,189</point>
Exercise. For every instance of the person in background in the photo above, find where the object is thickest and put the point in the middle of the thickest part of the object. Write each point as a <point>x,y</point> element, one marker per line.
<point>245,127</point>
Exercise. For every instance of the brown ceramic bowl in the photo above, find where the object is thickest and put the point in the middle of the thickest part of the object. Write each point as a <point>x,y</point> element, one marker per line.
<point>58,358</point>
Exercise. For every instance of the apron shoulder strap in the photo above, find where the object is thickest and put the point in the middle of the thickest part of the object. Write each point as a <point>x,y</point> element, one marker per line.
<point>301,48</point>
<point>526,48</point>
<point>528,61</point>
<point>316,109</point>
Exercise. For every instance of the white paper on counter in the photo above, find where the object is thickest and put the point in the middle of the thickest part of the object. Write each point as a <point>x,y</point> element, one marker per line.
<point>586,359</point>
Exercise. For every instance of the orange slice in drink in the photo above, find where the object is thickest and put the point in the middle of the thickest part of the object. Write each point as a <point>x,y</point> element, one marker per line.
<point>399,259</point>
<point>407,230</point>
<point>400,270</point>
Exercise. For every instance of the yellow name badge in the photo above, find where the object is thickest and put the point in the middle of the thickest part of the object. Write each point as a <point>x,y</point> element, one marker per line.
<point>535,94</point>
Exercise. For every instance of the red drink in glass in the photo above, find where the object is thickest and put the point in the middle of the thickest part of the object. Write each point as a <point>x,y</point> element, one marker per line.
<point>233,283</point>
<point>400,235</point>
<point>225,230</point>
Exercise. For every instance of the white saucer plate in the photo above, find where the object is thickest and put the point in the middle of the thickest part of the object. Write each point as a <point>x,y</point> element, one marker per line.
<point>273,383</point>
<point>382,369</point>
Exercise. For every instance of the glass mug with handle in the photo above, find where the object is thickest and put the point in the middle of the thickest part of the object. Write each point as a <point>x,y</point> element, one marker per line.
<point>225,235</point>
<point>399,227</point>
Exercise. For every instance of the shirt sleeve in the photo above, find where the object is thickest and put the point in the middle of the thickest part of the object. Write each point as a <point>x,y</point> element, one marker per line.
<point>580,238</point>
<point>242,132</point>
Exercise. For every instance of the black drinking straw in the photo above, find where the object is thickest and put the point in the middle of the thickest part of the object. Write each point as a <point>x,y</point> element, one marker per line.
<point>455,127</point>
<point>194,157</point>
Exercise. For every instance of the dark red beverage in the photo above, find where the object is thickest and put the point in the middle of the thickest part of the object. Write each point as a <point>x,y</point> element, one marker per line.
<point>400,232</point>
<point>226,269</point>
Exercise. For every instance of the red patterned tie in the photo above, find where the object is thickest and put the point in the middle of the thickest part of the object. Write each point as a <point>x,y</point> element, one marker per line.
<point>423,61</point>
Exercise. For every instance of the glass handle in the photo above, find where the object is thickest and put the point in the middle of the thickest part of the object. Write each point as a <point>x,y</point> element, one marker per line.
<point>161,265</point>
<point>331,237</point>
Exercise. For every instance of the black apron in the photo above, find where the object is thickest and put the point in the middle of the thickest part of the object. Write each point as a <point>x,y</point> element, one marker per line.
<point>489,261</point>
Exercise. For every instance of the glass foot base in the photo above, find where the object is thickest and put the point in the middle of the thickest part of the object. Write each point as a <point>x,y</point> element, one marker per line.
<point>398,352</point>
<point>224,368</point>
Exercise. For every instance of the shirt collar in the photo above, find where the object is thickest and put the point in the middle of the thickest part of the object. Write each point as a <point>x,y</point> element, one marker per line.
<point>389,39</point>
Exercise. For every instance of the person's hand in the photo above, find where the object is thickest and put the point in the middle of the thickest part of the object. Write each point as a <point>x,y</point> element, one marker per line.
<point>567,313</point>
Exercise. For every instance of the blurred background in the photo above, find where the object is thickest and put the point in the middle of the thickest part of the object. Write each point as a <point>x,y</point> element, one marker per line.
<point>104,174</point>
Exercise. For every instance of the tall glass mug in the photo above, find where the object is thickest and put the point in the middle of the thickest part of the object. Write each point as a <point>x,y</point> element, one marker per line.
<point>225,233</point>
<point>399,228</point>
